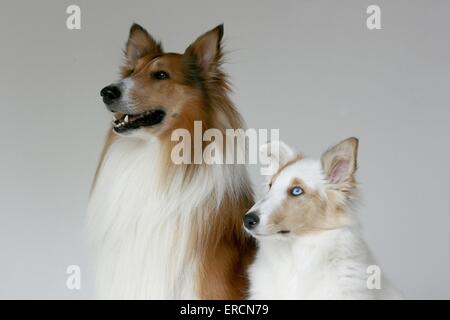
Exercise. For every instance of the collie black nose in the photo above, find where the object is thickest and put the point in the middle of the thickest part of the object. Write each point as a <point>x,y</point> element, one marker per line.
<point>110,94</point>
<point>251,219</point>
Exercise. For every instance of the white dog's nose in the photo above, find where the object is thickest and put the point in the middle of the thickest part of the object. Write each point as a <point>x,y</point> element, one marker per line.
<point>251,219</point>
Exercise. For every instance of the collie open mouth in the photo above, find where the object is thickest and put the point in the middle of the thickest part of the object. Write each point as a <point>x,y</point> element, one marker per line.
<point>123,122</point>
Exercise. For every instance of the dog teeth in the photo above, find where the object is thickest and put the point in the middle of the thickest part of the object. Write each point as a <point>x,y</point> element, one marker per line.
<point>119,121</point>
<point>117,125</point>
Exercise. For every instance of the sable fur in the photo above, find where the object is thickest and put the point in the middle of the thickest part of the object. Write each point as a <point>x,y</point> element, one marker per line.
<point>162,230</point>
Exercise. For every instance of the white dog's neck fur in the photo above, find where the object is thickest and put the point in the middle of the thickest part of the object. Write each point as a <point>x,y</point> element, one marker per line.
<point>328,264</point>
<point>307,267</point>
<point>142,230</point>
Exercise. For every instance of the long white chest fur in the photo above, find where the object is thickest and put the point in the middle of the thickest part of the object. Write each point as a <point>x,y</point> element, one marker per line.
<point>330,265</point>
<point>140,229</point>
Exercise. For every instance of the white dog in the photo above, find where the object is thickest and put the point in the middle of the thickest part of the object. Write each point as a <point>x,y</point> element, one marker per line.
<point>310,245</point>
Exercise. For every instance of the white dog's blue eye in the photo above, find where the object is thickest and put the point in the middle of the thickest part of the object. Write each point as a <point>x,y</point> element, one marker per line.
<point>296,191</point>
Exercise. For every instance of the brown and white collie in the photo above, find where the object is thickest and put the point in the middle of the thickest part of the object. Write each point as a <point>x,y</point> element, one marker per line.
<point>160,230</point>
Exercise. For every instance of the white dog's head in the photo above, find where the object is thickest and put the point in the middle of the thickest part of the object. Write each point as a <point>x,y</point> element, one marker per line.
<point>305,195</point>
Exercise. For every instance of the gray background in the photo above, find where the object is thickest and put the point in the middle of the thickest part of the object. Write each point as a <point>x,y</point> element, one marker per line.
<point>310,68</point>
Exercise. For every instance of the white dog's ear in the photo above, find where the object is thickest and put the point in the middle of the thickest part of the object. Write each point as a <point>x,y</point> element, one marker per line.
<point>274,154</point>
<point>339,163</point>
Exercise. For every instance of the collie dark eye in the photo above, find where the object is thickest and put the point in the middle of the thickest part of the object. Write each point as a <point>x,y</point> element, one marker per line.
<point>160,75</point>
<point>296,191</point>
<point>270,185</point>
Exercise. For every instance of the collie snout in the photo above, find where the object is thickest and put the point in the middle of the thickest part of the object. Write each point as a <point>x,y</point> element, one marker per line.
<point>126,116</point>
<point>116,96</point>
<point>111,94</point>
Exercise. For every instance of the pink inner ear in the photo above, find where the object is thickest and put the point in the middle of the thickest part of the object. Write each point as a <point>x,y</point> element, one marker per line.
<point>134,54</point>
<point>208,55</point>
<point>339,171</point>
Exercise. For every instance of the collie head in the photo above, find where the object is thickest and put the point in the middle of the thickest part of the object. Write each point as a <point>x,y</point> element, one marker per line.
<point>305,195</point>
<point>159,92</point>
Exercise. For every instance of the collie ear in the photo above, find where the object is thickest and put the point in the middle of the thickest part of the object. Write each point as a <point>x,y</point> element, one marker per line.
<point>275,154</point>
<point>339,163</point>
<point>139,44</point>
<point>206,51</point>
